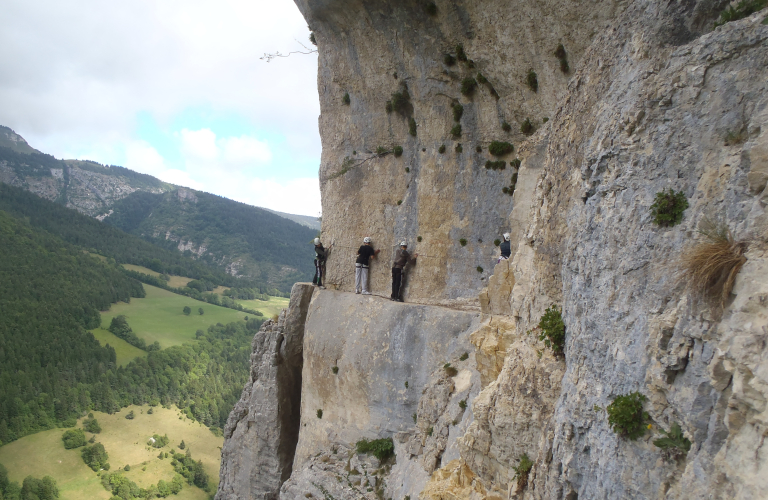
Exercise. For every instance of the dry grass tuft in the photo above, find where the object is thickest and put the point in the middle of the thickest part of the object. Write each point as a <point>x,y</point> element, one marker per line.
<point>710,268</point>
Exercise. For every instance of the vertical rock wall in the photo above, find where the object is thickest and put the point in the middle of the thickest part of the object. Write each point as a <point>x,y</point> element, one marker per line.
<point>262,431</point>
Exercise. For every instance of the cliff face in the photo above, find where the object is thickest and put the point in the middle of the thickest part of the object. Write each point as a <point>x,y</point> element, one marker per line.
<point>655,99</point>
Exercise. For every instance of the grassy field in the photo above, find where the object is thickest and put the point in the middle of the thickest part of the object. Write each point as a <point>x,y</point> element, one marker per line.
<point>125,352</point>
<point>269,308</point>
<point>125,441</point>
<point>175,281</point>
<point>159,317</point>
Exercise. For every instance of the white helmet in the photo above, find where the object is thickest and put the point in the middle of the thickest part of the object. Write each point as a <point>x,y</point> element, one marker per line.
<point>506,236</point>
<point>367,239</point>
<point>403,243</point>
<point>317,241</point>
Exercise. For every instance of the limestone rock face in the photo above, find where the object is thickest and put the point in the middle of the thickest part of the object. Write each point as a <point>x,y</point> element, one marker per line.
<point>372,49</point>
<point>262,430</point>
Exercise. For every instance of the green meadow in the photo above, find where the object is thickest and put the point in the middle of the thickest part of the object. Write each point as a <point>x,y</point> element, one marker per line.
<point>125,440</point>
<point>160,317</point>
<point>175,281</point>
<point>268,308</point>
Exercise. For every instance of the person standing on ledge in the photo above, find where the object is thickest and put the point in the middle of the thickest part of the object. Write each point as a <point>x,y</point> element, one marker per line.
<point>364,255</point>
<point>402,258</point>
<point>506,248</point>
<point>321,255</point>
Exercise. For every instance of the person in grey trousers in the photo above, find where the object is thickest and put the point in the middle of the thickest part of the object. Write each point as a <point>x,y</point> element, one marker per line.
<point>402,258</point>
<point>364,255</point>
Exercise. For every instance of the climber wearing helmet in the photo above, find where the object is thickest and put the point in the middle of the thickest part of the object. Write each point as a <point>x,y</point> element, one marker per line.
<point>364,255</point>
<point>321,254</point>
<point>506,248</point>
<point>402,258</point>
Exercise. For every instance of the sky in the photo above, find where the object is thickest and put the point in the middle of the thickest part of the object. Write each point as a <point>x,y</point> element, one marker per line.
<point>170,88</point>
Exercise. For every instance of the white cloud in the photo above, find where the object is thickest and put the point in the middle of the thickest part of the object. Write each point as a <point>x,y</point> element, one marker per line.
<point>142,157</point>
<point>181,178</point>
<point>245,150</point>
<point>197,145</point>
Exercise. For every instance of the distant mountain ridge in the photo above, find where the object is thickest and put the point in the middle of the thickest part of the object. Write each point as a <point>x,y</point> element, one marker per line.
<point>252,242</point>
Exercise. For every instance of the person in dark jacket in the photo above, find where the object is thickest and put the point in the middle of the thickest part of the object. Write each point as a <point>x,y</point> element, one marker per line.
<point>402,258</point>
<point>364,255</point>
<point>506,248</point>
<point>321,255</point>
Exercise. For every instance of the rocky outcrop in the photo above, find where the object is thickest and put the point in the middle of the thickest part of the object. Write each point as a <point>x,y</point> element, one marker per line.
<point>656,99</point>
<point>262,431</point>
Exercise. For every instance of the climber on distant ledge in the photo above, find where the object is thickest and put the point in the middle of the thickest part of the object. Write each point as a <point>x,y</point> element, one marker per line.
<point>402,258</point>
<point>505,248</point>
<point>321,255</point>
<point>364,255</point>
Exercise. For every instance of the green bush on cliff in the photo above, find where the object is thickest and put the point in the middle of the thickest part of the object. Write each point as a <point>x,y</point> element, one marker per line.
<point>521,471</point>
<point>345,99</point>
<point>460,54</point>
<point>379,448</point>
<point>552,329</point>
<point>468,86</point>
<point>626,416</point>
<point>441,149</point>
<point>668,207</point>
<point>674,444</point>
<point>412,127</point>
<point>506,127</point>
<point>500,148</point>
<point>741,10</point>
<point>532,79</point>
<point>456,130</point>
<point>398,150</point>
<point>458,110</point>
<point>527,127</point>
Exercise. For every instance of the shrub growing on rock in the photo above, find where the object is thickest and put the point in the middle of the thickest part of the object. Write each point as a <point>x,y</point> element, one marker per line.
<point>668,207</point>
<point>379,448</point>
<point>463,242</point>
<point>441,149</point>
<point>552,329</point>
<point>674,444</point>
<point>468,86</point>
<point>741,10</point>
<point>458,148</point>
<point>449,60</point>
<point>522,469</point>
<point>345,99</point>
<point>458,111</point>
<point>460,54</point>
<point>496,165</point>
<point>481,79</point>
<point>320,413</point>
<point>497,242</point>
<point>532,79</point>
<point>456,130</point>
<point>506,127</point>
<point>398,150</point>
<point>412,127</point>
<point>500,148</point>
<point>527,127</point>
<point>450,370</point>
<point>626,416</point>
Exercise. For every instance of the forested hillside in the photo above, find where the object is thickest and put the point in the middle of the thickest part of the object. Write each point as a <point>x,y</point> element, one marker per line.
<point>250,241</point>
<point>92,235</point>
<point>52,370</point>
<point>51,293</point>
